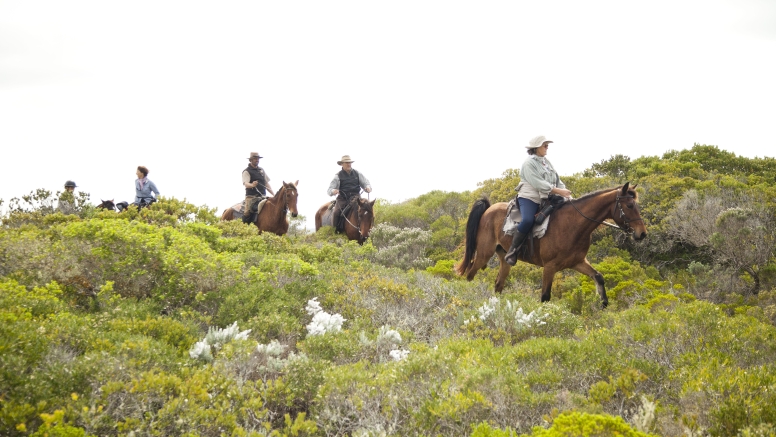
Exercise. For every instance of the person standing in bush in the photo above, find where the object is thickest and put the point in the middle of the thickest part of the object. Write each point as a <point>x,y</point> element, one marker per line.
<point>538,180</point>
<point>256,183</point>
<point>144,188</point>
<point>347,183</point>
<point>66,203</point>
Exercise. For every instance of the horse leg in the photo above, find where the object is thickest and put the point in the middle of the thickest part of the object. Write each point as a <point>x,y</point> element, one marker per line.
<point>547,276</point>
<point>585,268</point>
<point>503,270</point>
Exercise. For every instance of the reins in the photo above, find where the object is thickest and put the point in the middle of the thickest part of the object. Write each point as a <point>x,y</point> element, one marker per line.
<point>617,203</point>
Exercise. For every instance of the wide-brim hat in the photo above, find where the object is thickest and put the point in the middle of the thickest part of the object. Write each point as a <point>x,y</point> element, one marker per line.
<point>345,158</point>
<point>254,155</point>
<point>70,184</point>
<point>537,142</point>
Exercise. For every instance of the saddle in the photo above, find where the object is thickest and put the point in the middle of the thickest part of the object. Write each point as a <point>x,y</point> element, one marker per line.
<point>253,214</point>
<point>548,206</point>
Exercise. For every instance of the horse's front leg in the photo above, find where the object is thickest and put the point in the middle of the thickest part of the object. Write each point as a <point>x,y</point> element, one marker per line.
<point>585,268</point>
<point>547,275</point>
<point>503,270</point>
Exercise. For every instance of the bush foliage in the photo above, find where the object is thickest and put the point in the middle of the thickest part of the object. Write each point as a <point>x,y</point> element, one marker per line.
<point>166,322</point>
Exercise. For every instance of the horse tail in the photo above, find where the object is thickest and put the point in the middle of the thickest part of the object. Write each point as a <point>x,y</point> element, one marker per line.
<point>472,226</point>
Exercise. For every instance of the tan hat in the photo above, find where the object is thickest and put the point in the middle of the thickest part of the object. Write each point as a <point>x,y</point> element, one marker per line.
<point>345,158</point>
<point>255,155</point>
<point>537,142</point>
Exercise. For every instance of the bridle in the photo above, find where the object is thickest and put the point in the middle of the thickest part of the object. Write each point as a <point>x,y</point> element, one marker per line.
<point>285,197</point>
<point>617,209</point>
<point>358,219</point>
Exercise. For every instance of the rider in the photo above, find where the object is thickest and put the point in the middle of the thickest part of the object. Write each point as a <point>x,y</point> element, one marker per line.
<point>144,188</point>
<point>256,183</point>
<point>66,203</point>
<point>538,180</point>
<point>347,183</point>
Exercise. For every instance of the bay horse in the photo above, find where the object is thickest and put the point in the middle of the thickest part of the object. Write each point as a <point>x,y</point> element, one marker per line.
<point>273,216</point>
<point>565,243</point>
<point>358,222</point>
<point>112,206</point>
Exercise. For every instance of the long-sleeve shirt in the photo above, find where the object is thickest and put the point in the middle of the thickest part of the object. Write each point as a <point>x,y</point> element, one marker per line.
<point>145,192</point>
<point>335,183</point>
<point>246,179</point>
<point>537,178</point>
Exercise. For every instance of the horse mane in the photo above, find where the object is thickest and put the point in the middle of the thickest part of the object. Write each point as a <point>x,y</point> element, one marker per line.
<point>631,192</point>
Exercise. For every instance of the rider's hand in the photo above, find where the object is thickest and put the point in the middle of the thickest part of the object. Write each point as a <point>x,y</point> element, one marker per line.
<point>562,192</point>
<point>334,192</point>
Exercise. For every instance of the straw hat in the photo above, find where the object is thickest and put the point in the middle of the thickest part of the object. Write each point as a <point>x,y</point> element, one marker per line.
<point>537,142</point>
<point>254,155</point>
<point>345,158</point>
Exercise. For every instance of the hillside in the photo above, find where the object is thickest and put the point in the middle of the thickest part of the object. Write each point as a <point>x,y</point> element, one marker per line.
<point>167,322</point>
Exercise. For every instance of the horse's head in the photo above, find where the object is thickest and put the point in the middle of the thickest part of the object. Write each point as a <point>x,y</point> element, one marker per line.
<point>107,204</point>
<point>291,195</point>
<point>626,212</point>
<point>366,218</point>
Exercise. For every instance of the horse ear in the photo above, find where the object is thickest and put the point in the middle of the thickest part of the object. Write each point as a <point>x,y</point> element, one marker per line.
<point>372,202</point>
<point>625,188</point>
<point>296,184</point>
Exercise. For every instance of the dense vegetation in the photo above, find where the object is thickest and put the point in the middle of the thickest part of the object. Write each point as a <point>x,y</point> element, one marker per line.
<point>168,322</point>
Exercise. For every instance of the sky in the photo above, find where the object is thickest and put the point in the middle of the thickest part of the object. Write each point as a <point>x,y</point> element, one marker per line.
<point>423,95</point>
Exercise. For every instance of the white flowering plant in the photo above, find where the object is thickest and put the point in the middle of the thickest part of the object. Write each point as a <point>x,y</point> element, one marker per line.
<point>496,318</point>
<point>215,339</point>
<point>385,345</point>
<point>322,321</point>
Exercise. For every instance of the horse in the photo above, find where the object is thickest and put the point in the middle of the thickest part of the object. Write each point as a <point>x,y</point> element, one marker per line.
<point>565,243</point>
<point>274,214</point>
<point>121,206</point>
<point>358,222</point>
<point>107,204</point>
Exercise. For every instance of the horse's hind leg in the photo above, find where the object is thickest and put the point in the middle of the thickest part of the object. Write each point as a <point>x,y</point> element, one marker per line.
<point>585,268</point>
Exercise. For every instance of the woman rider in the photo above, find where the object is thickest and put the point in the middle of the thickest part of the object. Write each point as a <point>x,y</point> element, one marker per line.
<point>538,180</point>
<point>144,188</point>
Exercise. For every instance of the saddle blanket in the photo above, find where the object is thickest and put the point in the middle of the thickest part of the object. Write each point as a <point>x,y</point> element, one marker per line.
<point>238,208</point>
<point>327,219</point>
<point>514,218</point>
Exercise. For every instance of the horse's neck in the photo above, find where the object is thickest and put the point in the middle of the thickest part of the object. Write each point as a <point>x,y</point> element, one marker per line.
<point>597,208</point>
<point>276,202</point>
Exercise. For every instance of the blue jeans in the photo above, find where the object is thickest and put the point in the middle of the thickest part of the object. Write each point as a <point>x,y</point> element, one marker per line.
<point>528,210</point>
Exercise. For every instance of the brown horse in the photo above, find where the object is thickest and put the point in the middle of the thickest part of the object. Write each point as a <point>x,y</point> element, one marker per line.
<point>564,245</point>
<point>274,214</point>
<point>358,223</point>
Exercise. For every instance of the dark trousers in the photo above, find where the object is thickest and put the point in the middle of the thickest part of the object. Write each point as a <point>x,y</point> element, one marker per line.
<point>336,214</point>
<point>528,210</point>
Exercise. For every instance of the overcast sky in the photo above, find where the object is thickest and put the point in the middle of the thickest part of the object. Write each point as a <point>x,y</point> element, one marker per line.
<point>424,95</point>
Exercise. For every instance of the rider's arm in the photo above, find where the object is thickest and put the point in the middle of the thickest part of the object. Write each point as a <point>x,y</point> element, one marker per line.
<point>267,185</point>
<point>531,173</point>
<point>364,182</point>
<point>246,179</point>
<point>333,186</point>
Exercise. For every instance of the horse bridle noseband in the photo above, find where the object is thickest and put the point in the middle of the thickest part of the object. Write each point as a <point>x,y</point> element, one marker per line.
<point>617,207</point>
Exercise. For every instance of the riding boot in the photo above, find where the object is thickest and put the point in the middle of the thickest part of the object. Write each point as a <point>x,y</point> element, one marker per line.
<point>247,218</point>
<point>517,240</point>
